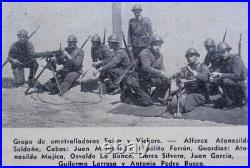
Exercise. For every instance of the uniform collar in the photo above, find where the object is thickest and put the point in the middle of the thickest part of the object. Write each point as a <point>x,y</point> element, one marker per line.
<point>140,18</point>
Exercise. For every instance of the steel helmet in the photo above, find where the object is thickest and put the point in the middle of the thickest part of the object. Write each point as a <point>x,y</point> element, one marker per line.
<point>22,32</point>
<point>72,38</point>
<point>209,42</point>
<point>96,38</point>
<point>192,51</point>
<point>222,46</point>
<point>136,7</point>
<point>114,39</point>
<point>156,38</point>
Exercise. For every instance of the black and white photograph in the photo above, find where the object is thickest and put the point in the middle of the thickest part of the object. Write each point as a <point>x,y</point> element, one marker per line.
<point>125,84</point>
<point>124,64</point>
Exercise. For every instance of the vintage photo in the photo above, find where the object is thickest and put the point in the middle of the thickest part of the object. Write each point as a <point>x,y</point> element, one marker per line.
<point>124,65</point>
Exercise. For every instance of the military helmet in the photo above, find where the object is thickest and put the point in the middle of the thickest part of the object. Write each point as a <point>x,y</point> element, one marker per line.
<point>72,38</point>
<point>222,46</point>
<point>96,38</point>
<point>192,51</point>
<point>114,39</point>
<point>156,38</point>
<point>136,7</point>
<point>209,42</point>
<point>22,32</point>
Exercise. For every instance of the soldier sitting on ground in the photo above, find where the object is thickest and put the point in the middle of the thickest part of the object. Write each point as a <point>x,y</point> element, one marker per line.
<point>118,64</point>
<point>71,60</point>
<point>148,74</point>
<point>21,55</point>
<point>101,55</point>
<point>230,77</point>
<point>192,79</point>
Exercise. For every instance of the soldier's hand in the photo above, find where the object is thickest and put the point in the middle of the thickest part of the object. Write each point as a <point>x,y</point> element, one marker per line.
<point>164,74</point>
<point>95,64</point>
<point>130,49</point>
<point>192,71</point>
<point>215,75</point>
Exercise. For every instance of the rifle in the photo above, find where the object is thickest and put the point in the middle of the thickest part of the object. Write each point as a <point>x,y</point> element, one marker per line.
<point>85,42</point>
<point>130,54</point>
<point>239,48</point>
<point>119,80</point>
<point>224,36</point>
<point>5,62</point>
<point>104,37</point>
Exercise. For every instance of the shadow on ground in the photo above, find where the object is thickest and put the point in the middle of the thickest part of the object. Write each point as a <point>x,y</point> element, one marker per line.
<point>235,116</point>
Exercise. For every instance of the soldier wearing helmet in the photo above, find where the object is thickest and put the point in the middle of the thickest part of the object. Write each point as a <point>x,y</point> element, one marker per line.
<point>211,60</point>
<point>230,77</point>
<point>101,55</point>
<point>149,73</point>
<point>194,78</point>
<point>139,31</point>
<point>21,55</point>
<point>71,60</point>
<point>117,65</point>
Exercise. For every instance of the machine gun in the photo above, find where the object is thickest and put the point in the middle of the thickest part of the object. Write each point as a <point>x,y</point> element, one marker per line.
<point>182,85</point>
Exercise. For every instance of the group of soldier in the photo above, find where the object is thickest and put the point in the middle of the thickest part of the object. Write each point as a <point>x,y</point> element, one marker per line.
<point>137,72</point>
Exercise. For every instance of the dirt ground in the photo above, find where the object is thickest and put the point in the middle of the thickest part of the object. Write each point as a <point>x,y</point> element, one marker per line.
<point>78,109</point>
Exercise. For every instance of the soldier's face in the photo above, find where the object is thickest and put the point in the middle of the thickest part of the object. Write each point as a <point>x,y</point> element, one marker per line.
<point>156,48</point>
<point>224,55</point>
<point>192,59</point>
<point>113,45</point>
<point>22,38</point>
<point>71,44</point>
<point>96,44</point>
<point>209,48</point>
<point>137,12</point>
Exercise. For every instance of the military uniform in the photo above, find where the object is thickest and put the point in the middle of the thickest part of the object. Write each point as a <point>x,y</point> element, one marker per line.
<point>71,71</point>
<point>146,76</point>
<point>23,52</point>
<point>232,80</point>
<point>139,33</point>
<point>212,60</point>
<point>195,92</point>
<point>117,66</point>
<point>103,54</point>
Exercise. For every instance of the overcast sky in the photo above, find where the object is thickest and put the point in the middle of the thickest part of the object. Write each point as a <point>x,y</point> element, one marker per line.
<point>187,25</point>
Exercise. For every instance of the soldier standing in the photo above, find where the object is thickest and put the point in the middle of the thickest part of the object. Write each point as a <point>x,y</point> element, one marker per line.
<point>21,56</point>
<point>231,78</point>
<point>139,31</point>
<point>149,73</point>
<point>118,64</point>
<point>71,60</point>
<point>192,79</point>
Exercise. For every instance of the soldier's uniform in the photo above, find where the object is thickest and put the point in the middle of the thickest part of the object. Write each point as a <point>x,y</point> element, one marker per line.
<point>102,53</point>
<point>233,79</point>
<point>195,92</point>
<point>148,74</point>
<point>117,66</point>
<point>68,75</point>
<point>212,60</point>
<point>139,33</point>
<point>24,53</point>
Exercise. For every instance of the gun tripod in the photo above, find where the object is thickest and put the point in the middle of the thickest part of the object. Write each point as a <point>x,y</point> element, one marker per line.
<point>49,66</point>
